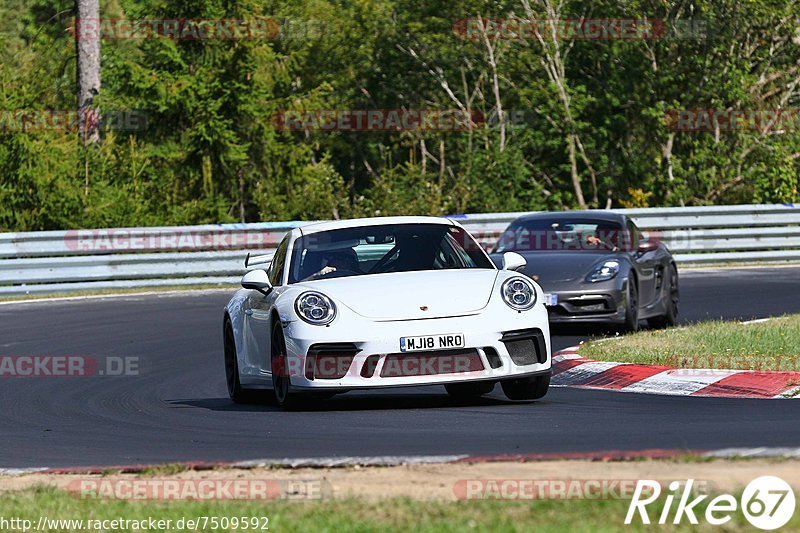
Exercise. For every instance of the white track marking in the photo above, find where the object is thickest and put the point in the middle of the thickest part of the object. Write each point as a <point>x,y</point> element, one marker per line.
<point>570,350</point>
<point>793,393</point>
<point>328,462</point>
<point>565,357</point>
<point>753,452</point>
<point>580,372</point>
<point>676,383</point>
<point>19,471</point>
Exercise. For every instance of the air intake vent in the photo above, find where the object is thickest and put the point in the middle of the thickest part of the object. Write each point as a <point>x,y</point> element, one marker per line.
<point>371,363</point>
<point>493,357</point>
<point>526,346</point>
<point>329,361</point>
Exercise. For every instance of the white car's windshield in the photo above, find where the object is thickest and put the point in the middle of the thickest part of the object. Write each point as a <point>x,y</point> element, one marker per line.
<point>380,249</point>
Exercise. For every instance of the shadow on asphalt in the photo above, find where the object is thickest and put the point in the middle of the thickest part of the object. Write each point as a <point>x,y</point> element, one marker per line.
<point>352,401</point>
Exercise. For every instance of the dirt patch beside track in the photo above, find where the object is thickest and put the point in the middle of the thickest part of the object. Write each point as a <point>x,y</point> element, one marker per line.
<point>438,481</point>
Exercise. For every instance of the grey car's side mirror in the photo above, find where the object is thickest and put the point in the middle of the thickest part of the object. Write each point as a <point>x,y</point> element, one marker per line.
<point>647,246</point>
<point>513,261</point>
<point>257,280</point>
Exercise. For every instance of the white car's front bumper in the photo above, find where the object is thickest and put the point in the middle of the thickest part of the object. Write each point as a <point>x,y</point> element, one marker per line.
<point>379,362</point>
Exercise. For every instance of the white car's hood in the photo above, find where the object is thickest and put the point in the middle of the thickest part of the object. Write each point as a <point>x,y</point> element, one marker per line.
<point>412,295</point>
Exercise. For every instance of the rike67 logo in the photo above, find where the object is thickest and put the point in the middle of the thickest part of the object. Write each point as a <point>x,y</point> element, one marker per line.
<point>767,502</point>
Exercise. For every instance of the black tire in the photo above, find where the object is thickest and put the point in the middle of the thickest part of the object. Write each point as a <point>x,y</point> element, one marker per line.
<point>465,391</point>
<point>631,323</point>
<point>235,390</point>
<point>531,388</point>
<point>281,384</point>
<point>670,318</point>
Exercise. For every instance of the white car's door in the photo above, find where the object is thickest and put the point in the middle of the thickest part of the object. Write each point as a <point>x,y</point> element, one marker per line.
<point>257,318</point>
<point>257,332</point>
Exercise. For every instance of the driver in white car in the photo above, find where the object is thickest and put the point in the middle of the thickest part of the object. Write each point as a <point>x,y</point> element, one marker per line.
<point>337,260</point>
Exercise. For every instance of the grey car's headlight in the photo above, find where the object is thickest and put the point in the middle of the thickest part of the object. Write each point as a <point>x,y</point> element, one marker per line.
<point>315,308</point>
<point>518,293</point>
<point>604,271</point>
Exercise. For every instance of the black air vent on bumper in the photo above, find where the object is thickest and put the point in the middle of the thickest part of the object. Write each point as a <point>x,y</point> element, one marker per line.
<point>329,360</point>
<point>525,346</point>
<point>493,357</point>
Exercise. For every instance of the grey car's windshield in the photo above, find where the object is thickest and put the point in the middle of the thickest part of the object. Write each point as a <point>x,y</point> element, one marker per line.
<point>379,249</point>
<point>563,235</point>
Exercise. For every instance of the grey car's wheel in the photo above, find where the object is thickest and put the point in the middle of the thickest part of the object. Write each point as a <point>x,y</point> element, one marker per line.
<point>670,318</point>
<point>281,384</point>
<point>469,390</point>
<point>235,390</point>
<point>531,388</point>
<point>631,323</point>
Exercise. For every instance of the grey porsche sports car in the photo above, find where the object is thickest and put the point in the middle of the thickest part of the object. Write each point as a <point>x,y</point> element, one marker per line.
<point>596,266</point>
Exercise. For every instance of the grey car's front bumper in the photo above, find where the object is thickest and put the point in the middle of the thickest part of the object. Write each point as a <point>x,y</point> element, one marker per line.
<point>602,302</point>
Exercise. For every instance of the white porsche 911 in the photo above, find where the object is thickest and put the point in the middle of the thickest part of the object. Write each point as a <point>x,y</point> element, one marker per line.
<point>384,302</point>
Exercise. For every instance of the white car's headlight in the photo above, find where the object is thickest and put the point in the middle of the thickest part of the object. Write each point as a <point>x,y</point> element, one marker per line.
<point>315,308</point>
<point>604,271</point>
<point>518,293</point>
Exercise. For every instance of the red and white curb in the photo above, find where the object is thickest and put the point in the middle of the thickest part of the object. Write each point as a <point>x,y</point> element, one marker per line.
<point>572,370</point>
<point>403,460</point>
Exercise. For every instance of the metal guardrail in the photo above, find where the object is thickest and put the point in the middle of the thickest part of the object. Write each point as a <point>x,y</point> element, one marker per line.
<point>80,260</point>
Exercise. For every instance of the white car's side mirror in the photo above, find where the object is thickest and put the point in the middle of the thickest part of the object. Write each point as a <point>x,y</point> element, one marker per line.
<point>513,261</point>
<point>257,280</point>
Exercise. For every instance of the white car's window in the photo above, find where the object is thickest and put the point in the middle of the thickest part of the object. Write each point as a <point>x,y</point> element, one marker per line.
<point>278,262</point>
<point>380,249</point>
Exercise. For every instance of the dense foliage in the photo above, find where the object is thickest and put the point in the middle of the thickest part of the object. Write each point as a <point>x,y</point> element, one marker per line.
<point>593,128</point>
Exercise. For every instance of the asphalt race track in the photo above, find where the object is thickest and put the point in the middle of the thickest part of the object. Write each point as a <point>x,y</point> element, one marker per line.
<point>177,408</point>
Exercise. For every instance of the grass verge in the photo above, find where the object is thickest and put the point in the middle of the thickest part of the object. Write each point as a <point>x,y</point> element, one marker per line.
<point>357,515</point>
<point>770,345</point>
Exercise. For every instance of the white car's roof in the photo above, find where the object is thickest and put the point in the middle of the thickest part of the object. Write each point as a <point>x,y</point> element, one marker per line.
<point>374,221</point>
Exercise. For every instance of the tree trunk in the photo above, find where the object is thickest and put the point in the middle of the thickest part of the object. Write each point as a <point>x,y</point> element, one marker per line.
<point>573,165</point>
<point>87,44</point>
<point>241,197</point>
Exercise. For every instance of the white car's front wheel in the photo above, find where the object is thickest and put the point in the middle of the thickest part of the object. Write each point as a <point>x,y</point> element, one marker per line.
<point>281,384</point>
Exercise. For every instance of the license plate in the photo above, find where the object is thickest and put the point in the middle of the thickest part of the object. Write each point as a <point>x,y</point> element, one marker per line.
<point>431,342</point>
<point>550,299</point>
